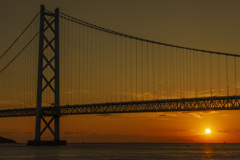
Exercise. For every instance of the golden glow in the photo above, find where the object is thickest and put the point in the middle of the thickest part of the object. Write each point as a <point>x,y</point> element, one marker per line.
<point>207,131</point>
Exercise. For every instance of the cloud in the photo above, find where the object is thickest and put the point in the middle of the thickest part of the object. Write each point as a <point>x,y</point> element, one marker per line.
<point>203,112</point>
<point>73,133</point>
<point>81,132</point>
<point>173,114</point>
<point>9,104</point>
<point>68,133</point>
<point>180,140</point>
<point>105,114</point>
<point>226,115</point>
<point>135,115</point>
<point>229,131</point>
<point>162,115</point>
<point>7,133</point>
<point>180,130</point>
<point>173,130</point>
<point>196,115</point>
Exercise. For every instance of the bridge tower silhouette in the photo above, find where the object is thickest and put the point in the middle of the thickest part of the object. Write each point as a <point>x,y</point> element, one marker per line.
<point>52,63</point>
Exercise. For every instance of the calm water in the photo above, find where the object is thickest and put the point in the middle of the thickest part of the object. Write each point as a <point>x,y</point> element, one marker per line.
<point>122,151</point>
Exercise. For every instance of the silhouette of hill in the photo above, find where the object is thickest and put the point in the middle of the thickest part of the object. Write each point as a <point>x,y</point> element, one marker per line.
<point>5,140</point>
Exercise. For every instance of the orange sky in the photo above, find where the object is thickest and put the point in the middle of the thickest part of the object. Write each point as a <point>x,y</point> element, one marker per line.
<point>141,127</point>
<point>205,25</point>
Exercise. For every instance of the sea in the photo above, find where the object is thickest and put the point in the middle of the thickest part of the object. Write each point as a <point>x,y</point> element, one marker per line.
<point>124,151</point>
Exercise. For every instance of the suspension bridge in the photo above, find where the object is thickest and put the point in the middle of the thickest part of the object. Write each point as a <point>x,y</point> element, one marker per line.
<point>66,66</point>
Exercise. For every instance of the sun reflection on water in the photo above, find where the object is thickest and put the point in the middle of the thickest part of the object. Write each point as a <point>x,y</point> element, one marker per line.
<point>208,151</point>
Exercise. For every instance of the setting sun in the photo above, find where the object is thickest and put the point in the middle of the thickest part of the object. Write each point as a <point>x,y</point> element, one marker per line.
<point>207,131</point>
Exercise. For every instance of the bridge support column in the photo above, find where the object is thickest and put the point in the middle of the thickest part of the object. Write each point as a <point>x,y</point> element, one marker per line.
<point>49,22</point>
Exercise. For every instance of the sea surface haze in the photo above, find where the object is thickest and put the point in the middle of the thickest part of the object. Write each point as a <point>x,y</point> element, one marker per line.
<point>126,151</point>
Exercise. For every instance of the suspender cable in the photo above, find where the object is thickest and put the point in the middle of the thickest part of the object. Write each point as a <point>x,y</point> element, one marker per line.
<point>172,61</point>
<point>202,73</point>
<point>218,75</point>
<point>227,75</point>
<point>194,73</point>
<point>68,64</point>
<point>173,69</point>
<point>159,72</point>
<point>183,74</point>
<point>153,71</point>
<point>210,76</point>
<point>113,66</point>
<point>235,75</point>
<point>142,70</point>
<point>165,71</point>
<point>131,68</point>
<point>79,64</point>
<point>179,69</point>
<point>116,67</point>
<point>75,66</point>
<point>136,70</point>
<point>125,40</point>
<point>190,72</point>
<point>87,66</point>
<point>147,73</point>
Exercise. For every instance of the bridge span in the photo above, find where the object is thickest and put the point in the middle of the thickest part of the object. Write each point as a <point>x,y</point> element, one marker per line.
<point>72,67</point>
<point>168,105</point>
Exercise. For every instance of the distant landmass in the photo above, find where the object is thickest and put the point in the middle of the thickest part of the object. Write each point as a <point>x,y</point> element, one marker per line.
<point>5,140</point>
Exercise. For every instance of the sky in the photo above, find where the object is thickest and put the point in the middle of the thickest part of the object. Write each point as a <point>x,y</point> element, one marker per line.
<point>210,25</point>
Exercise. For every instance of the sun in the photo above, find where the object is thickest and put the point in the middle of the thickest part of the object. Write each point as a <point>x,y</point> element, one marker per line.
<point>207,131</point>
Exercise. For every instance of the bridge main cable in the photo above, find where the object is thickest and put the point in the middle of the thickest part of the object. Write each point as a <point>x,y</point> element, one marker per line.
<point>19,52</point>
<point>84,23</point>
<point>20,35</point>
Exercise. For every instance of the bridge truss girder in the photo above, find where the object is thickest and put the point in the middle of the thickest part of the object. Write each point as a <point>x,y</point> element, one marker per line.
<point>190,104</point>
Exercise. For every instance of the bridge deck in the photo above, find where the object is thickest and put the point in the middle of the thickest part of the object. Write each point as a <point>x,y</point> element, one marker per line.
<point>189,104</point>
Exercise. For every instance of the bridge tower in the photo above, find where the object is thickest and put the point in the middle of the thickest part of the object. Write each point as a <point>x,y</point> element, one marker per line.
<point>48,21</point>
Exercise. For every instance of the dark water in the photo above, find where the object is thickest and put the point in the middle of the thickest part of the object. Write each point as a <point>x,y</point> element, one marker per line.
<point>122,151</point>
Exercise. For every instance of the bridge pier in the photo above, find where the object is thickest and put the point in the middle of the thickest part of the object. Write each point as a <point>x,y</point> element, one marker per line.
<point>51,63</point>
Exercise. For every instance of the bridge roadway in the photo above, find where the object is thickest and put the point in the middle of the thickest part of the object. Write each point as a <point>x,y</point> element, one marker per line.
<point>167,105</point>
